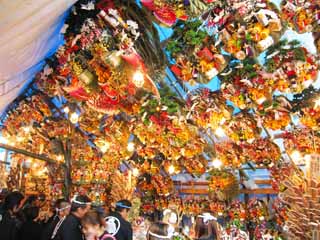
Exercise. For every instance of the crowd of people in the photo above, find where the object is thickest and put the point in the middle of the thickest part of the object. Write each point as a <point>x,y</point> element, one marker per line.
<point>77,219</point>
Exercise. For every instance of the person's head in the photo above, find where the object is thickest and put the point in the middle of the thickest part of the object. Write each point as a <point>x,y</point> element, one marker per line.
<point>123,207</point>
<point>93,224</point>
<point>204,227</point>
<point>170,217</point>
<point>62,207</point>
<point>160,230</point>
<point>3,193</point>
<point>30,201</point>
<point>80,205</point>
<point>41,200</point>
<point>31,213</point>
<point>12,202</point>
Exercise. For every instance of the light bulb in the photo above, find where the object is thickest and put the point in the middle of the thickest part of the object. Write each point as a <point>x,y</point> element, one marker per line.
<point>59,158</point>
<point>219,132</point>
<point>138,79</point>
<point>3,140</point>
<point>130,147</point>
<point>26,129</point>
<point>74,117</point>
<point>296,156</point>
<point>216,163</point>
<point>171,169</point>
<point>104,147</point>
<point>66,109</point>
<point>20,139</point>
<point>135,172</point>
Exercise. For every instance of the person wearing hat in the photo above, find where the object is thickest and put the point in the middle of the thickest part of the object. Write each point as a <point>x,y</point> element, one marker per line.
<point>70,228</point>
<point>122,229</point>
<point>62,210</point>
<point>205,228</point>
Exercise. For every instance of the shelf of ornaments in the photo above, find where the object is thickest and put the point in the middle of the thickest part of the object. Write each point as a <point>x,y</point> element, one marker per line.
<point>84,183</point>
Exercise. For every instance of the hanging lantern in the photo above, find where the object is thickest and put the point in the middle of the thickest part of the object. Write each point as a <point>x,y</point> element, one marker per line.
<point>138,79</point>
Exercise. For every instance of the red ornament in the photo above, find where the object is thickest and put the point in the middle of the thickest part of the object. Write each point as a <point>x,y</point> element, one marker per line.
<point>165,15</point>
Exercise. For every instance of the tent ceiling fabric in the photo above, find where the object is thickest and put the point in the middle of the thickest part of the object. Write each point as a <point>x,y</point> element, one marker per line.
<point>28,32</point>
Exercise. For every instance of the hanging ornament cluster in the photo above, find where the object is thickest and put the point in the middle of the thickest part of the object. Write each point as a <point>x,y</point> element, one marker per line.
<point>223,182</point>
<point>208,109</point>
<point>103,102</point>
<point>302,16</point>
<point>99,67</point>
<point>163,127</point>
<point>196,57</point>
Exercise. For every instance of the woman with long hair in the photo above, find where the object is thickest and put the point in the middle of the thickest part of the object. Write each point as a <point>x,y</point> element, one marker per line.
<point>206,228</point>
<point>159,231</point>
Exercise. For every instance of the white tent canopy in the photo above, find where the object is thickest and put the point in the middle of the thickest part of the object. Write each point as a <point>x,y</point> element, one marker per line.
<point>28,33</point>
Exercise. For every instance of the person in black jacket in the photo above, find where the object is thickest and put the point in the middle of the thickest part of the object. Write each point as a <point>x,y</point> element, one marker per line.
<point>122,209</point>
<point>30,229</point>
<point>62,210</point>
<point>9,223</point>
<point>70,228</point>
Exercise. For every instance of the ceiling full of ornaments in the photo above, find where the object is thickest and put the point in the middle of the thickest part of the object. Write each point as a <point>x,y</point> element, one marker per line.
<point>114,96</point>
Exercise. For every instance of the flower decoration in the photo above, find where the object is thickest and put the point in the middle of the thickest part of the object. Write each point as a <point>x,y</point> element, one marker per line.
<point>237,213</point>
<point>302,16</point>
<point>89,120</point>
<point>245,83</point>
<point>196,166</point>
<point>303,140</point>
<point>205,60</point>
<point>262,151</point>
<point>208,109</point>
<point>258,215</point>
<point>217,208</point>
<point>163,186</point>
<point>247,36</point>
<point>242,127</point>
<point>171,167</point>
<point>279,173</point>
<point>30,110</point>
<point>306,104</point>
<point>229,153</point>
<point>311,117</point>
<point>276,114</point>
<point>223,181</point>
<point>165,12</point>
<point>161,127</point>
<point>293,67</point>
<point>97,69</point>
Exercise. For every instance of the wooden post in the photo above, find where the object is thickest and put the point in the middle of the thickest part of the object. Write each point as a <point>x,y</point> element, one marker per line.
<point>67,170</point>
<point>29,154</point>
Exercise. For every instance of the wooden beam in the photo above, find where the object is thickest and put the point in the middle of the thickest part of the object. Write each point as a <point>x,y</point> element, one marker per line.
<point>29,154</point>
<point>263,181</point>
<point>194,191</point>
<point>242,191</point>
<point>190,183</point>
<point>204,183</point>
<point>259,191</point>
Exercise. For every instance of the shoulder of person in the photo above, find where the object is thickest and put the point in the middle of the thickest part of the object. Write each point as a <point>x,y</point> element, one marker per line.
<point>70,222</point>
